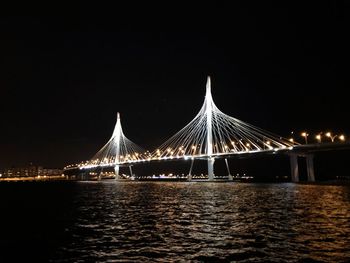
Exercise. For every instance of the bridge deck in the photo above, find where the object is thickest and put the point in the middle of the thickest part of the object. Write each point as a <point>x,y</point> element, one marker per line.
<point>298,150</point>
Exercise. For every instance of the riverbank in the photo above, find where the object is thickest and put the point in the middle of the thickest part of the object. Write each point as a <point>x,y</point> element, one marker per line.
<point>35,178</point>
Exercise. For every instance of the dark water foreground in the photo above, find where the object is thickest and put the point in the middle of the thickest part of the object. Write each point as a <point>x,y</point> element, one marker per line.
<point>167,222</point>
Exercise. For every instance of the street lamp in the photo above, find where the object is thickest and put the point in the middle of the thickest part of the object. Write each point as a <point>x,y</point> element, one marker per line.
<point>305,134</point>
<point>291,137</point>
<point>318,137</point>
<point>329,135</point>
<point>342,137</point>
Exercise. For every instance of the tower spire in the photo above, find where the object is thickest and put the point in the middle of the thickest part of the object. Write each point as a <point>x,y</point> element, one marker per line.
<point>208,86</point>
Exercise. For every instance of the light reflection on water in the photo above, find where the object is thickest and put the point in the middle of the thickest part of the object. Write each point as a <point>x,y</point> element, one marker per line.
<point>209,222</point>
<point>166,222</point>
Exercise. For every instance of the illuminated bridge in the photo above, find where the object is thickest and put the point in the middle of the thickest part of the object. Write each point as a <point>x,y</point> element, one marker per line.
<point>210,135</point>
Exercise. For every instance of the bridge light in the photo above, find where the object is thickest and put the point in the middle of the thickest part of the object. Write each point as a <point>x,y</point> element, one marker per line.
<point>329,135</point>
<point>318,137</point>
<point>305,134</point>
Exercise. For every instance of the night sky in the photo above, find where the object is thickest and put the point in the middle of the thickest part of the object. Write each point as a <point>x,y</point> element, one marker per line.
<point>65,73</point>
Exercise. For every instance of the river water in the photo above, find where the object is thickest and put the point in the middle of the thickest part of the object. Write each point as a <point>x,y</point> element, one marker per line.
<point>174,221</point>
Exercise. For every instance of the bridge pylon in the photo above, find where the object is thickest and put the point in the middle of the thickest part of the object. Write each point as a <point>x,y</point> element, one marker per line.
<point>209,112</point>
<point>118,131</point>
<point>118,151</point>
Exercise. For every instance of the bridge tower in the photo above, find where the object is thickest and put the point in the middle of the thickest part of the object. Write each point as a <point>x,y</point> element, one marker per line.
<point>213,134</point>
<point>209,113</point>
<point>117,135</point>
<point>118,151</point>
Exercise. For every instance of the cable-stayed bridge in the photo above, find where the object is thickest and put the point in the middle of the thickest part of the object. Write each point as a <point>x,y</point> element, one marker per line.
<point>212,134</point>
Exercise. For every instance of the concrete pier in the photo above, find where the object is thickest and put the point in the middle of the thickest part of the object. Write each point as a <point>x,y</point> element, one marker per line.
<point>294,168</point>
<point>211,169</point>
<point>130,168</point>
<point>228,170</point>
<point>116,169</point>
<point>310,168</point>
<point>189,178</point>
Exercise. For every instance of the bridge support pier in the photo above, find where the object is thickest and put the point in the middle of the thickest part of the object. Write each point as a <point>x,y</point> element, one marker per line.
<point>189,178</point>
<point>211,161</point>
<point>116,170</point>
<point>228,170</point>
<point>294,168</point>
<point>130,168</point>
<point>310,168</point>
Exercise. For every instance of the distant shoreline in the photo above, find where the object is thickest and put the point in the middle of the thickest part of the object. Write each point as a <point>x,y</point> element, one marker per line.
<point>64,178</point>
<point>36,178</point>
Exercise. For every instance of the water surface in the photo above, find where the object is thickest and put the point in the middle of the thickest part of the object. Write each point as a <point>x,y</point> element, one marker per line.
<point>166,222</point>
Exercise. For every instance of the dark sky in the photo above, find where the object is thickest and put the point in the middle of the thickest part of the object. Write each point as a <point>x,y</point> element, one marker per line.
<point>66,72</point>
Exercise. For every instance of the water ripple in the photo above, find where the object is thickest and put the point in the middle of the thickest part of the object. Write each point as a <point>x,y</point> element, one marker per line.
<point>193,222</point>
<point>167,222</point>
